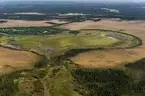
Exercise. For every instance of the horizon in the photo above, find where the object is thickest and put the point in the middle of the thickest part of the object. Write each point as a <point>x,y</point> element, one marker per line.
<point>82,1</point>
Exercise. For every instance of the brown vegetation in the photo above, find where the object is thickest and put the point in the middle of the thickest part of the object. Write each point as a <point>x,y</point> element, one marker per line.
<point>13,60</point>
<point>104,58</point>
<point>24,23</point>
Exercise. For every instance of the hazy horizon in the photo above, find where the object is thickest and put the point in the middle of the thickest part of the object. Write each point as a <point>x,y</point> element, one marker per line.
<point>104,1</point>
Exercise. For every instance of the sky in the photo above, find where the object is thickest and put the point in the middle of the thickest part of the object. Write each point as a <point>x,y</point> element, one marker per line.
<point>136,1</point>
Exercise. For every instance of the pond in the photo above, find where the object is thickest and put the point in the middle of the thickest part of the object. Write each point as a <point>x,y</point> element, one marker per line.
<point>116,36</point>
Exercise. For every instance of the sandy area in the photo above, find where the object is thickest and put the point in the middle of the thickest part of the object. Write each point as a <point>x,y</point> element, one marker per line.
<point>13,60</point>
<point>115,57</point>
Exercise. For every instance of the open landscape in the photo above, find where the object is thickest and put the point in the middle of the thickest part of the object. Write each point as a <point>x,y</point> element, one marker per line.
<point>24,23</point>
<point>123,26</point>
<point>63,49</point>
<point>18,60</point>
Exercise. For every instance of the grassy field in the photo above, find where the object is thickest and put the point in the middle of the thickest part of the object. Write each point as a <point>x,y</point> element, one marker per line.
<point>60,43</point>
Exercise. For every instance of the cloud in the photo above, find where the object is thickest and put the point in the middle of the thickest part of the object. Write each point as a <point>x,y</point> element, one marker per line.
<point>110,10</point>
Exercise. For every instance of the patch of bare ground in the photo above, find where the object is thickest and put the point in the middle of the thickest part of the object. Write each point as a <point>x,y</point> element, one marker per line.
<point>13,60</point>
<point>113,58</point>
<point>24,23</point>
